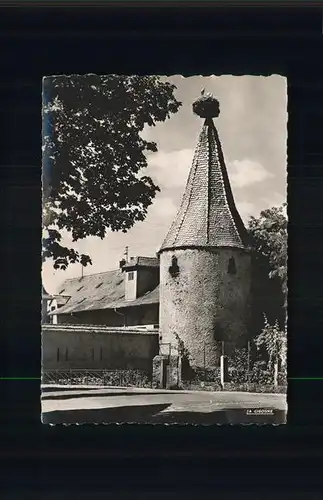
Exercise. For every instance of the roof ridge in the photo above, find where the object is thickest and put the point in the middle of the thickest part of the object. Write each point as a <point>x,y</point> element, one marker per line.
<point>89,275</point>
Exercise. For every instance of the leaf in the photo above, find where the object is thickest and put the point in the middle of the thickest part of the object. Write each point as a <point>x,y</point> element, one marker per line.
<point>93,155</point>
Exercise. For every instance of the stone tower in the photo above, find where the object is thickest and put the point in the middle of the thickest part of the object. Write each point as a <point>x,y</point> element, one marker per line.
<point>204,260</point>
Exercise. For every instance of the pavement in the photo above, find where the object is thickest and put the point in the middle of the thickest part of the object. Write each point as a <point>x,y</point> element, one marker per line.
<point>88,404</point>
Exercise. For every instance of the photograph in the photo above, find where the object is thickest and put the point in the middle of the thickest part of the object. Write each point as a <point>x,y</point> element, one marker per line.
<point>164,250</point>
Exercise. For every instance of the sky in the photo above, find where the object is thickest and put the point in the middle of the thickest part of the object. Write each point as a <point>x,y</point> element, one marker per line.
<point>253,131</point>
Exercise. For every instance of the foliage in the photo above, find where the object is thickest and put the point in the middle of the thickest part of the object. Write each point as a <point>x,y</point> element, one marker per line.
<point>260,374</point>
<point>184,354</point>
<point>238,366</point>
<point>94,155</point>
<point>268,235</point>
<point>274,340</point>
<point>269,239</point>
<point>256,387</point>
<point>124,378</point>
<point>206,376</point>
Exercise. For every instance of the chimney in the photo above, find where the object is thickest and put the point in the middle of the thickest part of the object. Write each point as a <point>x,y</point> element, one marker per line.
<point>126,253</point>
<point>122,263</point>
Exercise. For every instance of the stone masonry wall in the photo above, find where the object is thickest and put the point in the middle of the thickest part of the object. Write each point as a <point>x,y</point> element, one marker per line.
<point>98,350</point>
<point>204,303</point>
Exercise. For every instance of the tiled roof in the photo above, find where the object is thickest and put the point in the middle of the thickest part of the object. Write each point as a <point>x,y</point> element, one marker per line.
<point>151,297</point>
<point>99,291</point>
<point>207,216</point>
<point>61,300</point>
<point>95,291</point>
<point>143,262</point>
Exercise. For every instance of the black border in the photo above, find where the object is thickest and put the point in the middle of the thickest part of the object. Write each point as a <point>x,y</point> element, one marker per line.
<point>162,40</point>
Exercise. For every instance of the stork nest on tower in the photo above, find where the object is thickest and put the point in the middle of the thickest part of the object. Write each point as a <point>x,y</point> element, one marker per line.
<point>206,106</point>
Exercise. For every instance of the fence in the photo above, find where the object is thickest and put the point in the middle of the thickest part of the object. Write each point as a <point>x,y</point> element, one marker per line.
<point>121,378</point>
<point>246,368</point>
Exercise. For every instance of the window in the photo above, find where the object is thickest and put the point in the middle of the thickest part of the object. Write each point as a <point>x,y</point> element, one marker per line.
<point>98,285</point>
<point>131,276</point>
<point>174,269</point>
<point>232,266</point>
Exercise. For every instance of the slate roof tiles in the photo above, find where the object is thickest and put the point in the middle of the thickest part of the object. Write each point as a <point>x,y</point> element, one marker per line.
<point>207,216</point>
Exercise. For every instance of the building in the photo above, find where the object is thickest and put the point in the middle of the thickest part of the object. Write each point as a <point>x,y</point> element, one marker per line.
<point>128,296</point>
<point>44,307</point>
<point>198,289</point>
<point>204,259</point>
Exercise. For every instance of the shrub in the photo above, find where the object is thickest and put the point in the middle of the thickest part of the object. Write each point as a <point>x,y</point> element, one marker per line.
<point>260,374</point>
<point>238,366</point>
<point>125,378</point>
<point>274,341</point>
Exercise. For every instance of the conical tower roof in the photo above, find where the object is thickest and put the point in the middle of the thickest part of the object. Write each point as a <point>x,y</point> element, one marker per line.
<point>207,216</point>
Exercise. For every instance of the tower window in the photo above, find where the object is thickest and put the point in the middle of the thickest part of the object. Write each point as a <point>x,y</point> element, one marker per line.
<point>174,269</point>
<point>232,266</point>
<point>131,276</point>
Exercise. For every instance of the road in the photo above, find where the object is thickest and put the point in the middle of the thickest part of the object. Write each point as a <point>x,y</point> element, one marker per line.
<point>109,405</point>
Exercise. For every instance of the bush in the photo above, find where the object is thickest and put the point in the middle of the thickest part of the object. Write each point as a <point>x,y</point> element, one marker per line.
<point>203,379</point>
<point>260,374</point>
<point>238,366</point>
<point>124,378</point>
<point>255,388</point>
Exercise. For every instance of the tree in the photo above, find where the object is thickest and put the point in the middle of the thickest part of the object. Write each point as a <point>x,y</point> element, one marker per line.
<point>269,243</point>
<point>274,340</point>
<point>93,156</point>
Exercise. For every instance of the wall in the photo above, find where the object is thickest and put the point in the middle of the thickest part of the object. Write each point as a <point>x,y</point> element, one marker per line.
<point>143,315</point>
<point>147,279</point>
<point>144,280</point>
<point>106,317</point>
<point>97,350</point>
<point>204,304</point>
<point>131,285</point>
<point>132,316</point>
<point>44,311</point>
